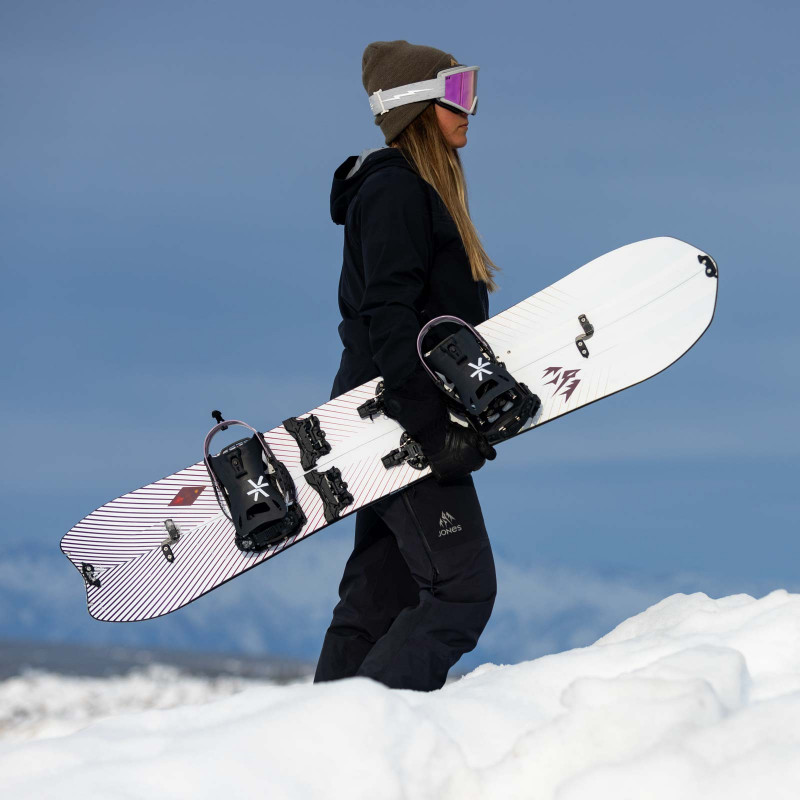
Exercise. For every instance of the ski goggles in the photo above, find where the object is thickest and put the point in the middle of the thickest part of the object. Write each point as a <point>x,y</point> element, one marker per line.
<point>455,88</point>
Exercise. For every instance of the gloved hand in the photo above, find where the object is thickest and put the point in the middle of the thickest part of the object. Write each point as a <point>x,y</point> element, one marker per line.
<point>464,451</point>
<point>452,450</point>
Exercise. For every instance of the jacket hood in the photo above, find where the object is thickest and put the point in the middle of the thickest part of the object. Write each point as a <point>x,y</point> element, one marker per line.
<point>352,172</point>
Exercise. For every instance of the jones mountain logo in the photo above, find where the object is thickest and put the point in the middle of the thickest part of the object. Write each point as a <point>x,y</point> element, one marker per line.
<point>563,378</point>
<point>448,524</point>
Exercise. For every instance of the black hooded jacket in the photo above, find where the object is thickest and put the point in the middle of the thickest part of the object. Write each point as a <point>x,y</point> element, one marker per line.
<point>404,264</point>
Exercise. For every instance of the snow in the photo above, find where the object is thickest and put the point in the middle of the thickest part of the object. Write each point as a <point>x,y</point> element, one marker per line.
<point>692,698</point>
<point>39,704</point>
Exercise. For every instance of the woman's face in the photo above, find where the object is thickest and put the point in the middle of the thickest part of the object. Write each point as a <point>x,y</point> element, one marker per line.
<point>453,125</point>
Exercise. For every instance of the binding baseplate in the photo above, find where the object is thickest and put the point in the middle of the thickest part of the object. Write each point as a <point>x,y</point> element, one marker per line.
<point>475,381</point>
<point>254,490</point>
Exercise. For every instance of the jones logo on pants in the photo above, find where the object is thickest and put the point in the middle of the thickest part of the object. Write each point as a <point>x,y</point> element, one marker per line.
<point>448,524</point>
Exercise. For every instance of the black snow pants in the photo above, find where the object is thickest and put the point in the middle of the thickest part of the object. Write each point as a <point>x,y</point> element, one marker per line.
<point>417,590</point>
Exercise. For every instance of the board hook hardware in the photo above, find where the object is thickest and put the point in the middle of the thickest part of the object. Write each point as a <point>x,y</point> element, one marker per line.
<point>588,332</point>
<point>89,575</point>
<point>174,533</point>
<point>709,264</point>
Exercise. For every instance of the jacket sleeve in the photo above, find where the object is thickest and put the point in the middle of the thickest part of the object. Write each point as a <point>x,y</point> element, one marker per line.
<point>397,252</point>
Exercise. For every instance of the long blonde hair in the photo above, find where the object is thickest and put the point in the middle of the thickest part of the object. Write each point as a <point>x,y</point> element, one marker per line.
<point>424,146</point>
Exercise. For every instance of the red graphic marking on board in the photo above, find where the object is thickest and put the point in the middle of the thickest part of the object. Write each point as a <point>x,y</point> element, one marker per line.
<point>187,496</point>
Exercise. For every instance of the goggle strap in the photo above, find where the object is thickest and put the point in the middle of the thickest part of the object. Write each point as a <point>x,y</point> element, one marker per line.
<point>383,101</point>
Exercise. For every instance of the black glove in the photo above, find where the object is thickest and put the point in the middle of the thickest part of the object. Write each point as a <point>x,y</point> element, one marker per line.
<point>452,450</point>
<point>464,451</point>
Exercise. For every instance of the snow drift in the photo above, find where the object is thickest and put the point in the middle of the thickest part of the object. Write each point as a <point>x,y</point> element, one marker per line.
<point>693,698</point>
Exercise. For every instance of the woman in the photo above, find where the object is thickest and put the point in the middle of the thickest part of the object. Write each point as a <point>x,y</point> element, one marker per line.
<point>419,587</point>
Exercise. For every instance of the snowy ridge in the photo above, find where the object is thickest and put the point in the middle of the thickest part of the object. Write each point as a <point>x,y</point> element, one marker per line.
<point>693,698</point>
<point>39,704</point>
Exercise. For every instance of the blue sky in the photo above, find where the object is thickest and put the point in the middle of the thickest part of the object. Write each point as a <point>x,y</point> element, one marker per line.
<point>167,249</point>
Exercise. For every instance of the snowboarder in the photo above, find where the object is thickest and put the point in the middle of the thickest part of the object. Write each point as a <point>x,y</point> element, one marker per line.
<point>420,585</point>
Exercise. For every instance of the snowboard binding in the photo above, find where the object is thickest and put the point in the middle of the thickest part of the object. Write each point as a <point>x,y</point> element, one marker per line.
<point>254,490</point>
<point>475,382</point>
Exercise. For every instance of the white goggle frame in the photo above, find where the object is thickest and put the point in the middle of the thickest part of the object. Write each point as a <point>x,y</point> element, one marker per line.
<point>384,100</point>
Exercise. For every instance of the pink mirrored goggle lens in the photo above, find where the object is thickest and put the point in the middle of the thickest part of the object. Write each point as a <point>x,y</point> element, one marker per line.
<point>461,88</point>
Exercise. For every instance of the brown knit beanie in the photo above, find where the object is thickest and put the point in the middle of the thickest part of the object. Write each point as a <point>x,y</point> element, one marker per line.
<point>386,65</point>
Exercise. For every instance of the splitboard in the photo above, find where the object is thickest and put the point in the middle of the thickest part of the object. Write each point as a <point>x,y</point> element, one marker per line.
<point>609,325</point>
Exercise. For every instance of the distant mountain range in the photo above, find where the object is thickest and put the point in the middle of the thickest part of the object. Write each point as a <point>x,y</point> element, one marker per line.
<point>100,661</point>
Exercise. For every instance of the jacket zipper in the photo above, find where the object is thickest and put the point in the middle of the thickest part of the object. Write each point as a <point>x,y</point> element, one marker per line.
<point>434,571</point>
